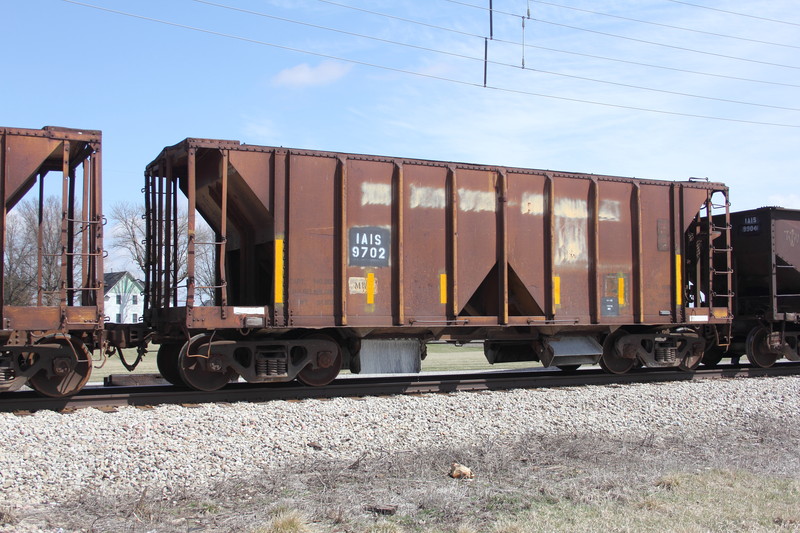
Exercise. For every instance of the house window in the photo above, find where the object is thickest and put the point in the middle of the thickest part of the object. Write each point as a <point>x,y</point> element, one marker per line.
<point>135,301</point>
<point>135,317</point>
<point>119,299</point>
<point>119,317</point>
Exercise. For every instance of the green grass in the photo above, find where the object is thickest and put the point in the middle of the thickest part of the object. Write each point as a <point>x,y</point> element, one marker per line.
<point>448,357</point>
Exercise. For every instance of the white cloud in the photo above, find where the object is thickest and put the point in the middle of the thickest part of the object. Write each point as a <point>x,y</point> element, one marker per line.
<point>304,75</point>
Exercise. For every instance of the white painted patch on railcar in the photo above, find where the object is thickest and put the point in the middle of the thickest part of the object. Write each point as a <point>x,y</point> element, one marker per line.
<point>572,208</point>
<point>427,197</point>
<point>376,194</point>
<point>609,210</point>
<point>571,219</point>
<point>476,201</point>
<point>532,203</point>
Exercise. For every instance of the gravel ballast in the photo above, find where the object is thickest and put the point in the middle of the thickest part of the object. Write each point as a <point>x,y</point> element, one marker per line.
<point>47,458</point>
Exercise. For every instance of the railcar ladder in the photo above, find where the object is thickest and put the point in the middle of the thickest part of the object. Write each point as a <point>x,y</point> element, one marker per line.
<point>719,283</point>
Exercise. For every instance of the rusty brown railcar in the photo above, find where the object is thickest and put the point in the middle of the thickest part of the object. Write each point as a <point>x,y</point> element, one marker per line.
<point>48,332</point>
<point>766,286</point>
<point>327,257</point>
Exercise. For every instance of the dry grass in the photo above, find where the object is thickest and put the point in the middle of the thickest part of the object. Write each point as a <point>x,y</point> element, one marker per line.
<point>734,480</point>
<point>540,483</point>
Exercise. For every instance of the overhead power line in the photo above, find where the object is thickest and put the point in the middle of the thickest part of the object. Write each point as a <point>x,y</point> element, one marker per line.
<point>557,50</point>
<point>777,21</point>
<point>644,41</point>
<point>692,30</point>
<point>420,74</point>
<point>485,60</point>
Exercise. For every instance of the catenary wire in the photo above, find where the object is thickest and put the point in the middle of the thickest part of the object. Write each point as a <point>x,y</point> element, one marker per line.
<point>651,23</point>
<point>777,21</point>
<point>664,45</point>
<point>422,74</point>
<point>493,62</point>
<point>557,50</point>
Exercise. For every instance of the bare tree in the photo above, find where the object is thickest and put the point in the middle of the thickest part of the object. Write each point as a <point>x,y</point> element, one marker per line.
<point>129,237</point>
<point>129,232</point>
<point>19,265</point>
<point>26,231</point>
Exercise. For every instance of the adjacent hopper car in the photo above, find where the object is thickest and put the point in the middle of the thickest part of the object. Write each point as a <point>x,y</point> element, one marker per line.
<point>326,260</point>
<point>766,284</point>
<point>49,330</point>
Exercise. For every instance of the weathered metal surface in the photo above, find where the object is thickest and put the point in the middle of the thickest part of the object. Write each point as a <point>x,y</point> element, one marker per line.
<point>28,155</point>
<point>767,271</point>
<point>324,240</point>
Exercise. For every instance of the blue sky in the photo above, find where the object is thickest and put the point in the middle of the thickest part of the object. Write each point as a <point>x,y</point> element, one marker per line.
<point>262,80</point>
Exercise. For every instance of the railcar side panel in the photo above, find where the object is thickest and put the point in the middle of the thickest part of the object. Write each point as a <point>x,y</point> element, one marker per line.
<point>573,251</point>
<point>368,257</point>
<point>616,243</point>
<point>529,246</point>
<point>659,254</point>
<point>477,262</point>
<point>312,257</point>
<point>423,246</point>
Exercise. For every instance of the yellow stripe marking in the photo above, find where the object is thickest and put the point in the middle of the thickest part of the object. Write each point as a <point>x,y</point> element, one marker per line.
<point>621,291</point>
<point>557,290</point>
<point>443,288</point>
<point>678,280</point>
<point>370,288</point>
<point>278,271</point>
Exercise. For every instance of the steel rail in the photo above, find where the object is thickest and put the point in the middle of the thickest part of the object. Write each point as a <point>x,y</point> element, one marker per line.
<point>23,402</point>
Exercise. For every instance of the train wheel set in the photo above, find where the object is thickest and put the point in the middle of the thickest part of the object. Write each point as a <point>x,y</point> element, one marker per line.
<point>563,268</point>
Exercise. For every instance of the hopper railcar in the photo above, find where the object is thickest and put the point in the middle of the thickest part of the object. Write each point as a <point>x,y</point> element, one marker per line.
<point>766,286</point>
<point>51,309</point>
<point>326,259</point>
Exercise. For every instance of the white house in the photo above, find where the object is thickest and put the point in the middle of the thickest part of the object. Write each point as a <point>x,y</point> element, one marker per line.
<point>124,299</point>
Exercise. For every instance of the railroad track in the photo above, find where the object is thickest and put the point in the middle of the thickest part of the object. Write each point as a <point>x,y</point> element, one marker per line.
<point>24,402</point>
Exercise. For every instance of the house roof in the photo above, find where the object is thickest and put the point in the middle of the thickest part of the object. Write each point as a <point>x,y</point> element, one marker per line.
<point>110,279</point>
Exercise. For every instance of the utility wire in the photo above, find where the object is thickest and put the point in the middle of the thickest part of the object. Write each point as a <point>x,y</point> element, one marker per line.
<point>557,50</point>
<point>484,60</point>
<point>665,25</point>
<point>421,74</point>
<point>736,13</point>
<point>674,47</point>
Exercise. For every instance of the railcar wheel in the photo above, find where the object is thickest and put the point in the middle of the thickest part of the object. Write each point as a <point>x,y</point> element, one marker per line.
<point>68,372</point>
<point>325,369</point>
<point>167,361</point>
<point>691,362</point>
<point>568,368</point>
<point>201,369</point>
<point>757,350</point>
<point>612,361</point>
